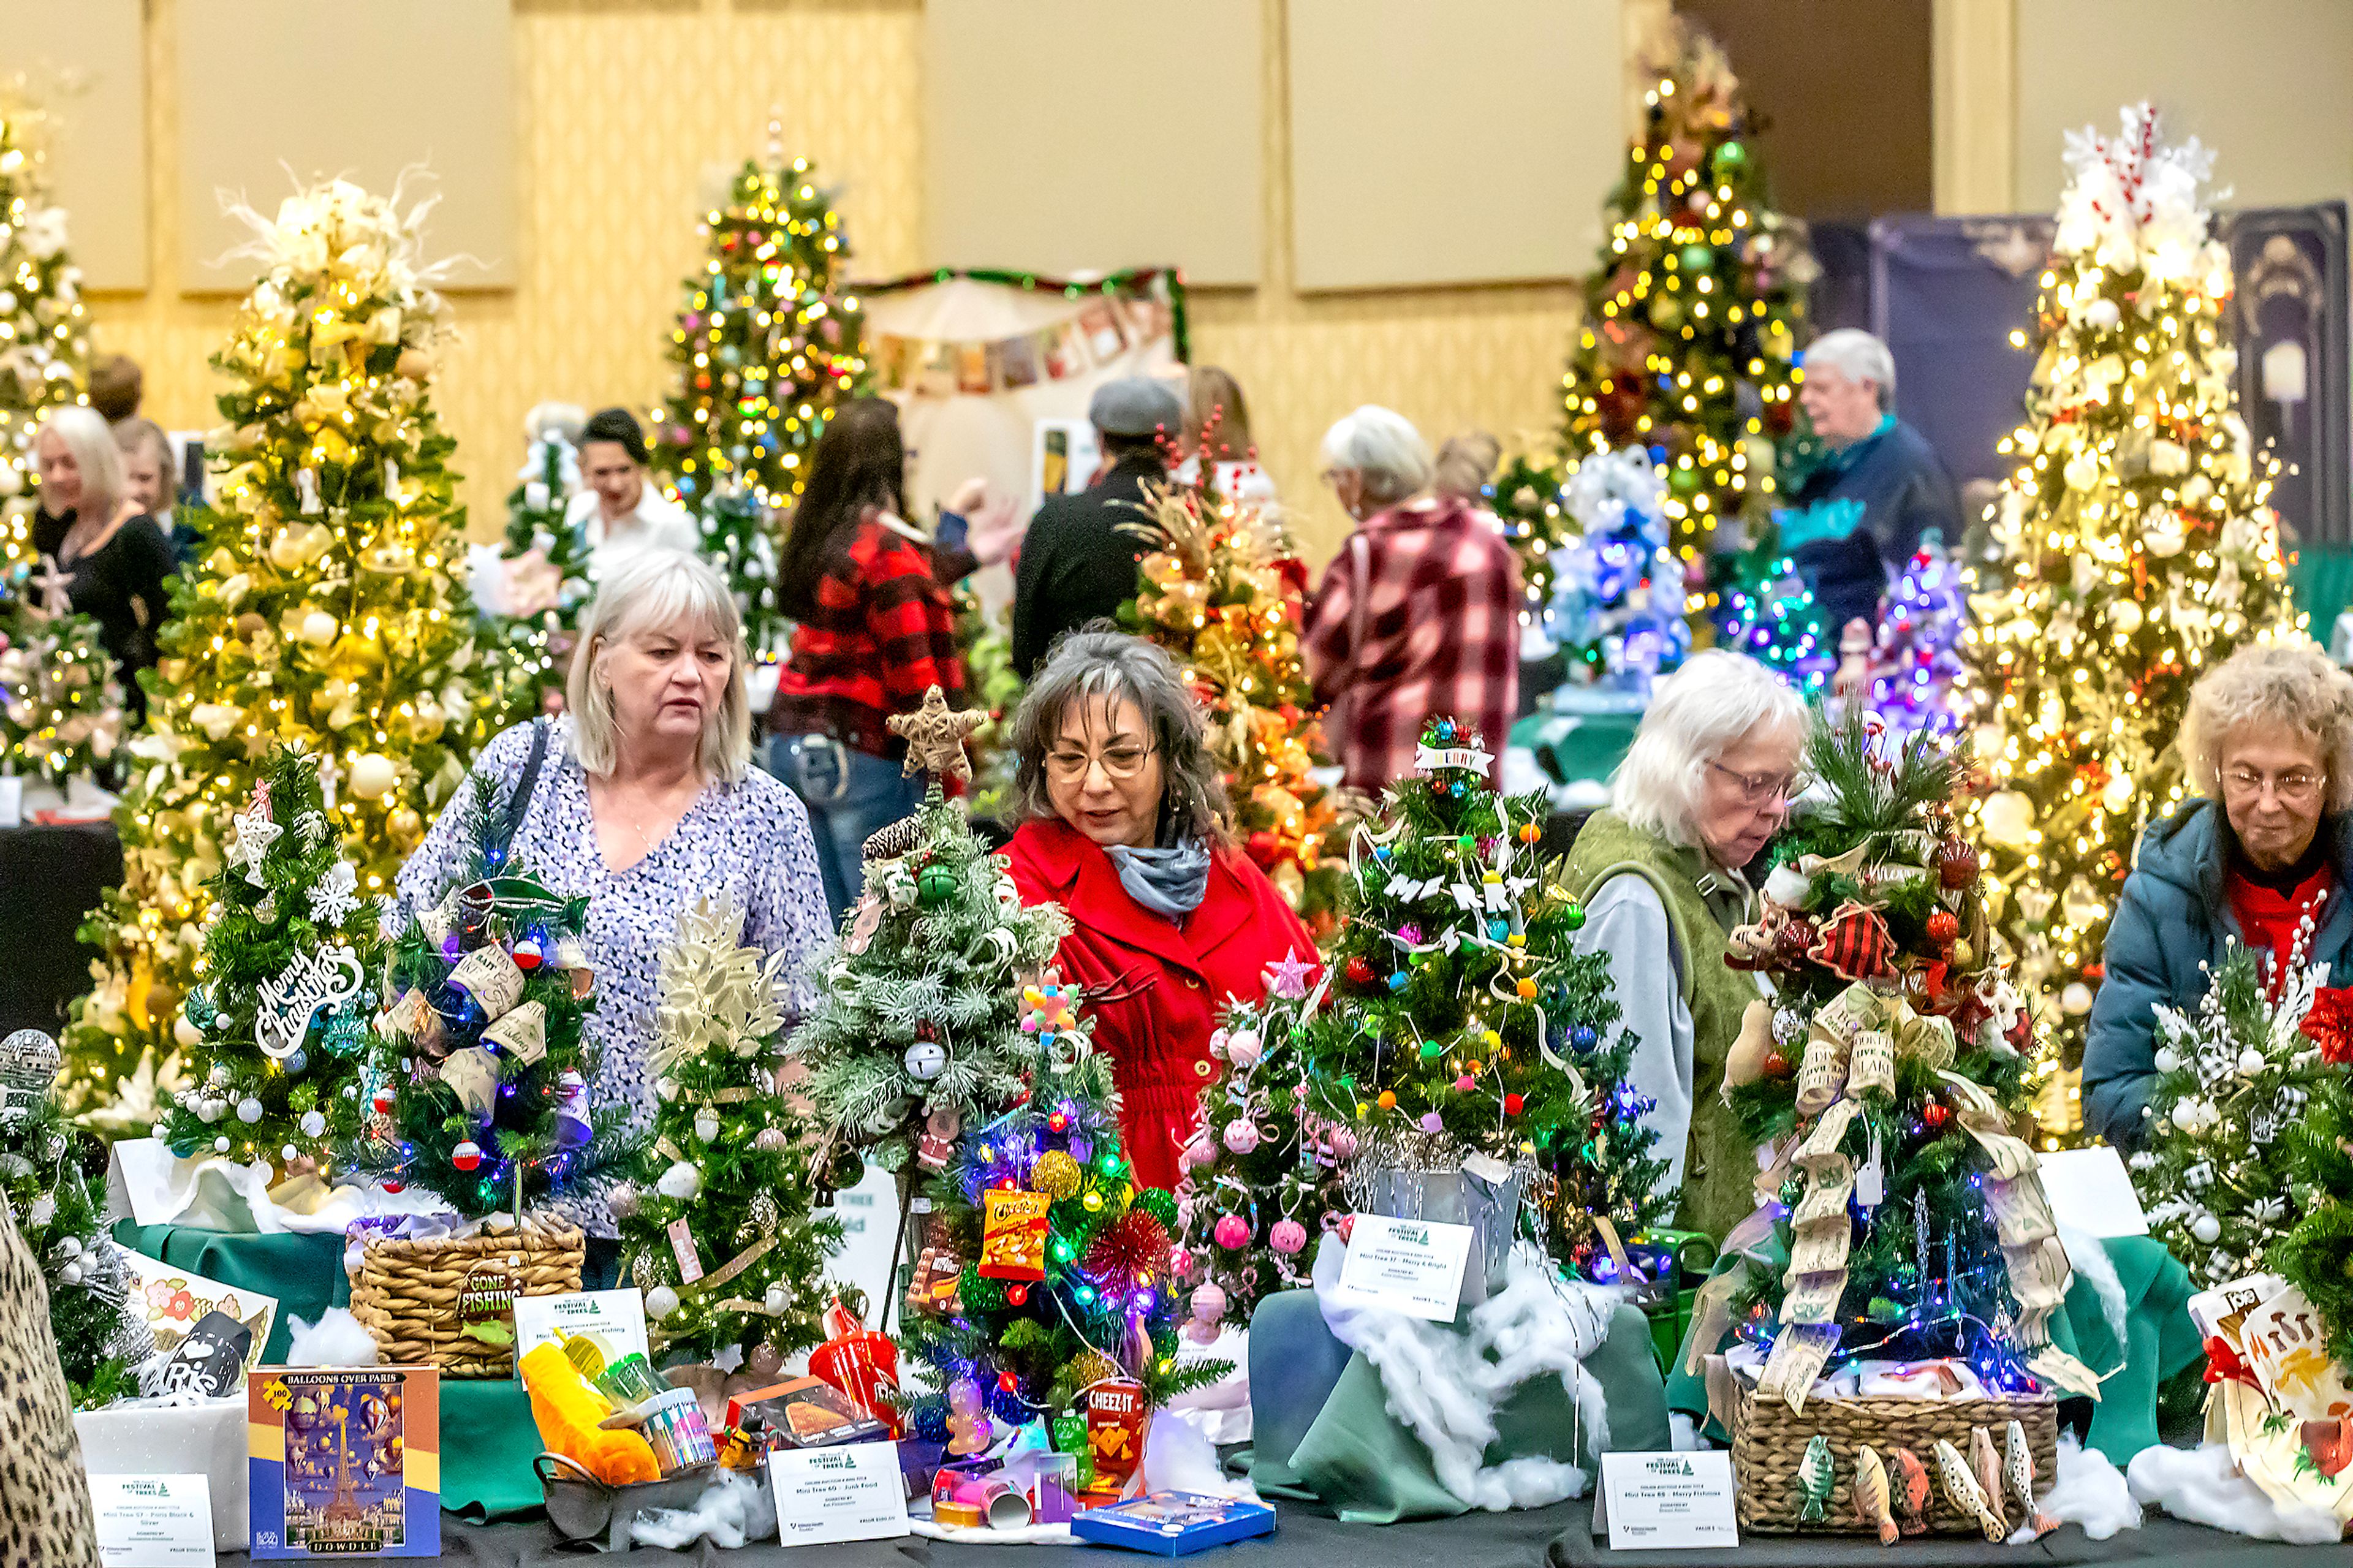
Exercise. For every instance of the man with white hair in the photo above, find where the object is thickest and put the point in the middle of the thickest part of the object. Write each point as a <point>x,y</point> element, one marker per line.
<point>1854,523</point>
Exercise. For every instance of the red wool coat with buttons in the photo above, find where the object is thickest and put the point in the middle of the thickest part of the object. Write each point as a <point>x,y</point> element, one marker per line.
<point>1153,989</point>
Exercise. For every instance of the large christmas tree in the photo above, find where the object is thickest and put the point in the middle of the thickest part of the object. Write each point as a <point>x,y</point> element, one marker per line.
<point>321,613</point>
<point>2138,552</point>
<point>41,316</point>
<point>715,1227</point>
<point>1616,609</point>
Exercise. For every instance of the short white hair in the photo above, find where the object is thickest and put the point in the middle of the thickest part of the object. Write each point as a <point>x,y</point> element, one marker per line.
<point>1696,714</point>
<point>654,588</point>
<point>91,439</point>
<point>1383,448</point>
<point>1858,356</point>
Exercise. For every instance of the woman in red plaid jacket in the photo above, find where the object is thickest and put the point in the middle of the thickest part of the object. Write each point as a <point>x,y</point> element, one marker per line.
<point>875,632</point>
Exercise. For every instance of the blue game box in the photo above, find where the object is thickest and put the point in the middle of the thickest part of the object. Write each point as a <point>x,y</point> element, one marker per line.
<point>1174,1524</point>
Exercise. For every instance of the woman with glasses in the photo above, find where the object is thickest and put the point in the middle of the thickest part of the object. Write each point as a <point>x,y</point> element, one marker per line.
<point>1709,778</point>
<point>1125,827</point>
<point>2268,740</point>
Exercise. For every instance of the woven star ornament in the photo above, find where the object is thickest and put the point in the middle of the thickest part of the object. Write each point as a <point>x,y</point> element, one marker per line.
<point>934,735</point>
<point>1855,944</point>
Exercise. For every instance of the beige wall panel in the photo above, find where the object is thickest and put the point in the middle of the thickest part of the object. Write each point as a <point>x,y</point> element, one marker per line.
<point>86,61</point>
<point>2260,81</point>
<point>1068,135</point>
<point>361,88</point>
<point>1467,143</point>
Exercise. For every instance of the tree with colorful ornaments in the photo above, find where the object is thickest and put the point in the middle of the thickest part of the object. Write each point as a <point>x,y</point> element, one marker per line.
<point>60,702</point>
<point>1617,608</point>
<point>1762,608</point>
<point>41,316</point>
<point>1460,1019</point>
<point>1221,590</point>
<point>478,1089</point>
<point>2218,1169</point>
<point>544,586</point>
<point>101,1331</point>
<point>917,1030</point>
<point>1526,497</point>
<point>2139,550</point>
<point>716,1227</point>
<point>1918,679</point>
<point>286,986</point>
<point>321,611</point>
<point>2317,1255</point>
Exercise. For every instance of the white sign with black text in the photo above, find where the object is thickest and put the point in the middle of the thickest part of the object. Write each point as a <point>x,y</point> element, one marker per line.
<point>1409,1265</point>
<point>1654,1500</point>
<point>153,1522</point>
<point>850,1492</point>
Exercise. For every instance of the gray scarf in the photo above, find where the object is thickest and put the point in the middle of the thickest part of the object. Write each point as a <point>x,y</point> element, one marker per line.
<point>1170,881</point>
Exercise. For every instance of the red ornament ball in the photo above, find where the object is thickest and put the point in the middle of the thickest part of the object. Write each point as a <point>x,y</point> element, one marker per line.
<point>1016,1294</point>
<point>1776,1064</point>
<point>466,1156</point>
<point>1359,969</point>
<point>1006,1380</point>
<point>383,1099</point>
<point>1059,1123</point>
<point>1943,927</point>
<point>395,1184</point>
<point>1956,864</point>
<point>1934,1114</point>
<point>1512,1104</point>
<point>1796,941</point>
<point>527,955</point>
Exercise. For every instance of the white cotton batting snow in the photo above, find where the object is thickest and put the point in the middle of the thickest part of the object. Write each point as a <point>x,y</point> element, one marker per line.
<point>2090,1491</point>
<point>2201,1486</point>
<point>335,1340</point>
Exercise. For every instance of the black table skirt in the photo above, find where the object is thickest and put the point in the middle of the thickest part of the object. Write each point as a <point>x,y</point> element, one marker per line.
<point>50,878</point>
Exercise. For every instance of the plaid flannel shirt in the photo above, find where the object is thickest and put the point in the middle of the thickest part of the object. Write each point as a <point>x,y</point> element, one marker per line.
<point>1442,635</point>
<point>883,634</point>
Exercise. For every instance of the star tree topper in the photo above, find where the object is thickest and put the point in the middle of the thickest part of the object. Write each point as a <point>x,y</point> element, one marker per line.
<point>934,735</point>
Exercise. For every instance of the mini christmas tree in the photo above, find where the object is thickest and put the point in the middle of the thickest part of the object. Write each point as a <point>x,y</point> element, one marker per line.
<point>101,1333</point>
<point>1463,1022</point>
<point>287,983</point>
<point>2139,550</point>
<point>2217,1172</point>
<point>716,1228</point>
<point>479,1086</point>
<point>544,582</point>
<point>1220,591</point>
<point>1616,609</point>
<point>916,1034</point>
<point>60,702</point>
<point>41,316</point>
<point>1918,680</point>
<point>2317,1255</point>
<point>1764,609</point>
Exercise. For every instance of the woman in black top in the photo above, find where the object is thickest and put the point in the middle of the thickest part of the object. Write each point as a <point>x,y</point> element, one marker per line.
<point>114,556</point>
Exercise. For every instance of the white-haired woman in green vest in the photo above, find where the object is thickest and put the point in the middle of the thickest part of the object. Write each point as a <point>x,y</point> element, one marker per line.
<point>1710,776</point>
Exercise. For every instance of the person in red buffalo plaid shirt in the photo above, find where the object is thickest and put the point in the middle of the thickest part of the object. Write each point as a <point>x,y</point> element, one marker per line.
<point>876,631</point>
<point>1419,614</point>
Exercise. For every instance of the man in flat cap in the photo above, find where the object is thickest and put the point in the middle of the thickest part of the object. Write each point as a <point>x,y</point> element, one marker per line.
<point>1076,563</point>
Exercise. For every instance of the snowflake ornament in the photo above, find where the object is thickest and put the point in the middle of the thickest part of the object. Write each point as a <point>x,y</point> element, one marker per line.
<point>335,898</point>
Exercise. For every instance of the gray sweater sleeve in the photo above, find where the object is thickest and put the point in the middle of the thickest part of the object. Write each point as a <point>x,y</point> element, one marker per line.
<point>1625,923</point>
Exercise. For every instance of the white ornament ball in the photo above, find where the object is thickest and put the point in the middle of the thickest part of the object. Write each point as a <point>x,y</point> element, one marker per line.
<point>44,1209</point>
<point>706,1126</point>
<point>1787,886</point>
<point>777,1298</point>
<point>248,1109</point>
<point>320,628</point>
<point>681,1181</point>
<point>210,1111</point>
<point>926,1060</point>
<point>2206,1228</point>
<point>314,1124</point>
<point>2251,1062</point>
<point>2007,819</point>
<point>2167,1059</point>
<point>187,1034</point>
<point>371,775</point>
<point>2076,999</point>
<point>2123,616</point>
<point>70,1275</point>
<point>1242,1135</point>
<point>221,1146</point>
<point>2101,314</point>
<point>623,1200</point>
<point>289,1153</point>
<point>661,1302</point>
<point>1243,1049</point>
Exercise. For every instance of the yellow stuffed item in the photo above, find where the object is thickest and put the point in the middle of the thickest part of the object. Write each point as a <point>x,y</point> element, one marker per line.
<point>567,1410</point>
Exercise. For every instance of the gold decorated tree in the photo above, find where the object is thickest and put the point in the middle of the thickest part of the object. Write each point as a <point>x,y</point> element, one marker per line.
<point>44,333</point>
<point>321,612</point>
<point>2138,550</point>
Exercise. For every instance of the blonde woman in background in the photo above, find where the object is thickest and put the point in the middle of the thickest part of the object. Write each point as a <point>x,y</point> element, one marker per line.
<point>111,556</point>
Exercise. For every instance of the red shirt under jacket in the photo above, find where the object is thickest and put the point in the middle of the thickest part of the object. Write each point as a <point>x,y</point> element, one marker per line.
<point>2268,919</point>
<point>1153,990</point>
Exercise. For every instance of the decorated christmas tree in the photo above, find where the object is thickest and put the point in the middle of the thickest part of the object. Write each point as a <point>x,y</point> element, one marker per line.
<point>1918,680</point>
<point>1462,1022</point>
<point>286,986</point>
<point>478,1089</point>
<point>1695,308</point>
<point>60,702</point>
<point>2217,1172</point>
<point>544,586</point>
<point>321,612</point>
<point>101,1333</point>
<point>2317,1256</point>
<point>1617,608</point>
<point>1526,497</point>
<point>715,1227</point>
<point>1762,608</point>
<point>916,1034</point>
<point>988,649</point>
<point>1220,591</point>
<point>2137,551</point>
<point>41,316</point>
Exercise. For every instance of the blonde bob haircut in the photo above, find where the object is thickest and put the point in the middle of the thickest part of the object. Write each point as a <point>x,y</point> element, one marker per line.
<point>655,589</point>
<point>2277,689</point>
<point>1697,714</point>
<point>91,439</point>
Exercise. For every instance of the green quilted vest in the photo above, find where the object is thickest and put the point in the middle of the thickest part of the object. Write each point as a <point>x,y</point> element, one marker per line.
<point>1719,1164</point>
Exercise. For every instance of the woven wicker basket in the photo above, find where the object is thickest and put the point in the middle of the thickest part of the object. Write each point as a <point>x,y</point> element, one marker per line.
<point>411,1295</point>
<point>1768,1443</point>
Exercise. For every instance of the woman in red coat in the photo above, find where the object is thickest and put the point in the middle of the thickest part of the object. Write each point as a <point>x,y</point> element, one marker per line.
<point>1124,828</point>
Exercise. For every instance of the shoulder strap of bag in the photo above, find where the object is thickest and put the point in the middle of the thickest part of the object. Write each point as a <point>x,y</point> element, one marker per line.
<point>518,802</point>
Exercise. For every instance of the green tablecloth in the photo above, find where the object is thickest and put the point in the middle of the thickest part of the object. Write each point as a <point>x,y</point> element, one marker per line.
<point>1573,747</point>
<point>2161,1341</point>
<point>488,1438</point>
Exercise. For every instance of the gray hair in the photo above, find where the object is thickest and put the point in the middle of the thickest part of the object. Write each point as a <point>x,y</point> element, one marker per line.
<point>2288,686</point>
<point>1696,714</point>
<point>1384,449</point>
<point>1088,664</point>
<point>1465,463</point>
<point>1858,356</point>
<point>91,439</point>
<point>655,588</point>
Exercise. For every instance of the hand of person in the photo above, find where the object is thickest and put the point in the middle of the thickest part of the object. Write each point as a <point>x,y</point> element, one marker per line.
<point>995,528</point>
<point>968,496</point>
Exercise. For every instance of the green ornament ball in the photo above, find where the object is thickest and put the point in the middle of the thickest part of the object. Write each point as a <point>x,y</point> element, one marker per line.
<point>1432,1049</point>
<point>1159,1205</point>
<point>978,1292</point>
<point>1730,157</point>
<point>1698,258</point>
<point>1572,917</point>
<point>935,886</point>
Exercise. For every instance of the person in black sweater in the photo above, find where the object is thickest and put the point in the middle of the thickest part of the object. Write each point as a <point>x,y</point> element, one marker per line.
<point>1077,563</point>
<point>112,556</point>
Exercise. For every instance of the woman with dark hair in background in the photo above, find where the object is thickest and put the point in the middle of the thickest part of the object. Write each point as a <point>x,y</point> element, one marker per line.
<point>875,631</point>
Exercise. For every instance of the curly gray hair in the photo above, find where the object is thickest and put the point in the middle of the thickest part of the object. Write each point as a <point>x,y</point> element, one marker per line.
<point>1090,664</point>
<point>2274,686</point>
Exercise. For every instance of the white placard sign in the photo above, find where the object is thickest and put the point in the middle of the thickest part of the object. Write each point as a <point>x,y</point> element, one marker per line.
<point>850,1492</point>
<point>615,1319</point>
<point>153,1522</point>
<point>2089,1190</point>
<point>1654,1500</point>
<point>1409,1265</point>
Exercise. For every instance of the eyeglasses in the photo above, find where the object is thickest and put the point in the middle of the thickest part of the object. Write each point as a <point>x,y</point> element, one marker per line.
<point>1121,762</point>
<point>1759,789</point>
<point>2294,787</point>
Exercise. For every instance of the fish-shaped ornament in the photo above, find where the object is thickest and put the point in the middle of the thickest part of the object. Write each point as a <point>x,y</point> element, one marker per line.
<point>1870,1488</point>
<point>1961,1489</point>
<point>1909,1481</point>
<point>2019,1470</point>
<point>1817,1473</point>
<point>1986,1465</point>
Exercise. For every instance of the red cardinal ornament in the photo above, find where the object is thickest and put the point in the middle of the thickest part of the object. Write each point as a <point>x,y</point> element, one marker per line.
<point>1855,944</point>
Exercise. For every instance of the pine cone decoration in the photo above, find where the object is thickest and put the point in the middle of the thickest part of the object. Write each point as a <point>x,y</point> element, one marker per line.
<point>891,840</point>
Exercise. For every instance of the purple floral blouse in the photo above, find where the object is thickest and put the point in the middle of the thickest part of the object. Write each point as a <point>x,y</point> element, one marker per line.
<point>750,838</point>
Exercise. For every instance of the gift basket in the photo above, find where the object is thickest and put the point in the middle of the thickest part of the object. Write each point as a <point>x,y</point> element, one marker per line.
<point>447,1301</point>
